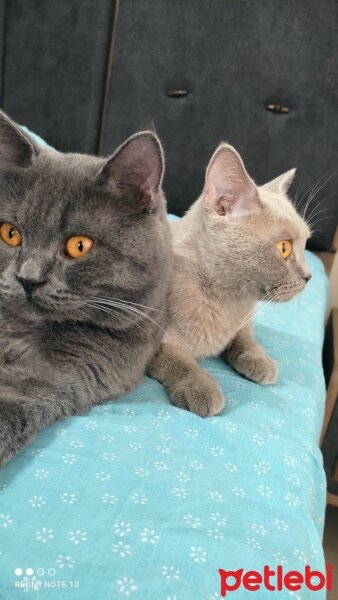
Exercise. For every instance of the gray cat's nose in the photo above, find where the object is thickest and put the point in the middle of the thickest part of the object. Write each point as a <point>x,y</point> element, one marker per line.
<point>307,277</point>
<point>29,285</point>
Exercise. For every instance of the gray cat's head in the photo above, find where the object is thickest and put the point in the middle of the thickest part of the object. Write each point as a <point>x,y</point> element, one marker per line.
<point>257,235</point>
<point>74,227</point>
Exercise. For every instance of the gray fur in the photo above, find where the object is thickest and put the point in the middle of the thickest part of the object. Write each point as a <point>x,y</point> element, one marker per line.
<point>225,262</point>
<point>86,329</point>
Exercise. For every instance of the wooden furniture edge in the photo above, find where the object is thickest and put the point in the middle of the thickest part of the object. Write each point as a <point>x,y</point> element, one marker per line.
<point>332,499</point>
<point>332,388</point>
<point>331,401</point>
<point>327,257</point>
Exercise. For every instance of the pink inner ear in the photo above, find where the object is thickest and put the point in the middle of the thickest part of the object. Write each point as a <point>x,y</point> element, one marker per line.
<point>145,200</point>
<point>224,205</point>
<point>228,188</point>
<point>138,164</point>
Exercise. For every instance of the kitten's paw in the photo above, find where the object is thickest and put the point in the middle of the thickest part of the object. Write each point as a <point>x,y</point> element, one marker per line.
<point>257,367</point>
<point>198,393</point>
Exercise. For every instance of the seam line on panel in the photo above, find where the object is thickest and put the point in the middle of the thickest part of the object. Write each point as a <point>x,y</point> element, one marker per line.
<point>104,106</point>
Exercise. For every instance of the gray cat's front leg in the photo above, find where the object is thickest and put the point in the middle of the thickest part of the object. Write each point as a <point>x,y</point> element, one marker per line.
<point>249,359</point>
<point>188,385</point>
<point>30,403</point>
<point>18,426</point>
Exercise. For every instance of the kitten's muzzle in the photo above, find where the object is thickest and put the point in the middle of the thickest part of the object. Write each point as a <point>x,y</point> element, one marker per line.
<point>29,285</point>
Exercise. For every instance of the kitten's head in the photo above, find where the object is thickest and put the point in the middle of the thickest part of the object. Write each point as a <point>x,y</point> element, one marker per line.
<point>76,227</point>
<point>256,231</point>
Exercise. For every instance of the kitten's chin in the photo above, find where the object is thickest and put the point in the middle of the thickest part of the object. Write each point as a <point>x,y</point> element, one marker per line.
<point>32,309</point>
<point>284,293</point>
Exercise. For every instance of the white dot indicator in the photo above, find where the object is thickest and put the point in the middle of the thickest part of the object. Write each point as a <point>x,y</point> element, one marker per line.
<point>18,572</point>
<point>29,571</point>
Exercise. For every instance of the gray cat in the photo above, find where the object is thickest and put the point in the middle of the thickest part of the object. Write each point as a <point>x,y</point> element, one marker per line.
<point>85,262</point>
<point>237,245</point>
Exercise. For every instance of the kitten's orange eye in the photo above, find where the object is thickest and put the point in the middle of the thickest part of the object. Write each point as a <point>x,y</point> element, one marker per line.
<point>10,234</point>
<point>284,248</point>
<point>78,245</point>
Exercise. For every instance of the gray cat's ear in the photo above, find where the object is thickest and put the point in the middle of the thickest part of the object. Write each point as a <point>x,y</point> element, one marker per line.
<point>16,149</point>
<point>137,167</point>
<point>281,184</point>
<point>229,190</point>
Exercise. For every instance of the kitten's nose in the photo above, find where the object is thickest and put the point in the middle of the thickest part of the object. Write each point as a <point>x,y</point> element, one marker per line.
<point>29,285</point>
<point>307,277</point>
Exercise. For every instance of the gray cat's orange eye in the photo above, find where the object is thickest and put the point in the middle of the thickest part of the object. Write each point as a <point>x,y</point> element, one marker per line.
<point>284,248</point>
<point>10,234</point>
<point>78,245</point>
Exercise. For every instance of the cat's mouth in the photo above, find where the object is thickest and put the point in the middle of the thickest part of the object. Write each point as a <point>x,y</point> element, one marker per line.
<point>36,305</point>
<point>44,306</point>
<point>47,307</point>
<point>30,306</point>
<point>284,292</point>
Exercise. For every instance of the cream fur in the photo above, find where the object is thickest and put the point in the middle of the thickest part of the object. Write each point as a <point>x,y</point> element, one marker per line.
<point>226,260</point>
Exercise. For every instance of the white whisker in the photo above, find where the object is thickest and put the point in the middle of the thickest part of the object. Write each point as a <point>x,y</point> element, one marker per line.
<point>252,310</point>
<point>143,314</point>
<point>310,189</point>
<point>314,194</point>
<point>316,223</point>
<point>110,311</point>
<point>296,199</point>
<point>320,212</point>
<point>107,310</point>
<point>129,302</point>
<point>259,308</point>
<point>127,308</point>
<point>314,209</point>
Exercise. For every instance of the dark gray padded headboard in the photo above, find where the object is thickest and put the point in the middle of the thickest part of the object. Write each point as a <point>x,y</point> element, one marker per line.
<point>54,67</point>
<point>232,57</point>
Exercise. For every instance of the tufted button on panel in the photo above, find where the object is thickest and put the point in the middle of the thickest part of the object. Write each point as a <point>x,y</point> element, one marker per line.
<point>278,108</point>
<point>179,93</point>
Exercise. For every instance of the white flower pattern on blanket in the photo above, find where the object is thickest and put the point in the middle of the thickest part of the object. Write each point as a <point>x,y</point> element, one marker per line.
<point>138,499</point>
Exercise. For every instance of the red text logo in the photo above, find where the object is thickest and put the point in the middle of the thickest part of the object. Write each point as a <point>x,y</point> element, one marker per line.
<point>277,579</point>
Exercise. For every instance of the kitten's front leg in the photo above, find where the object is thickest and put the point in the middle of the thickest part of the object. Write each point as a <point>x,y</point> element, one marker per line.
<point>28,403</point>
<point>248,358</point>
<point>17,427</point>
<point>188,385</point>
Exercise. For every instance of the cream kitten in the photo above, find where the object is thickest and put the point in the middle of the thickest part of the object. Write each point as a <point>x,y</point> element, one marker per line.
<point>238,244</point>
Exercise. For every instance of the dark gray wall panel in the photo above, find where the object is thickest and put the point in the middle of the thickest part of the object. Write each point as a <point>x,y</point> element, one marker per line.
<point>55,68</point>
<point>234,57</point>
<point>2,44</point>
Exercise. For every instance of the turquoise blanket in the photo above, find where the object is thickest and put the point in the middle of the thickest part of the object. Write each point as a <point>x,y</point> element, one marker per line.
<point>138,499</point>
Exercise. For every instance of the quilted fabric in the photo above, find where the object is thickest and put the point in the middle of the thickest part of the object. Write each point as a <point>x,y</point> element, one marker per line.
<point>231,59</point>
<point>138,499</point>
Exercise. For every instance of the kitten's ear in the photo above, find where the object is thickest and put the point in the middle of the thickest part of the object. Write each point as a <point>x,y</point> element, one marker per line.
<point>137,166</point>
<point>281,184</point>
<point>16,149</point>
<point>229,190</point>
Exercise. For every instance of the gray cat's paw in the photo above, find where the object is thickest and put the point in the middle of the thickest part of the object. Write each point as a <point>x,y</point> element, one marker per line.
<point>257,367</point>
<point>5,438</point>
<point>199,393</point>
